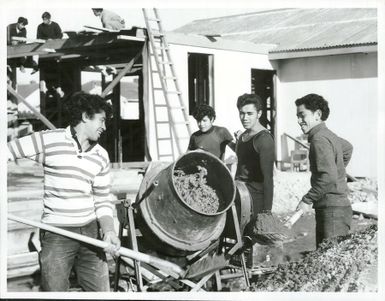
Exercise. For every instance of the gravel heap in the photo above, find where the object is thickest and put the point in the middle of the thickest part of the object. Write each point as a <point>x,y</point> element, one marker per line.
<point>289,187</point>
<point>195,192</point>
<point>335,266</point>
<point>364,190</point>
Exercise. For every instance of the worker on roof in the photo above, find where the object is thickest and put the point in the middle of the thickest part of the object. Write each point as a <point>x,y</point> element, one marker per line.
<point>329,155</point>
<point>48,29</point>
<point>76,194</point>
<point>17,30</point>
<point>209,137</point>
<point>110,20</point>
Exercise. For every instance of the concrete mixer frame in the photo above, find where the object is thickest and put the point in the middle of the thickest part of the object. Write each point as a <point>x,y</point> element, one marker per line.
<point>150,274</point>
<point>174,230</point>
<point>142,270</point>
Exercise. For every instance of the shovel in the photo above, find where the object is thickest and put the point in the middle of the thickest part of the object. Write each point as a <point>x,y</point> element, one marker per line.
<point>166,266</point>
<point>293,219</point>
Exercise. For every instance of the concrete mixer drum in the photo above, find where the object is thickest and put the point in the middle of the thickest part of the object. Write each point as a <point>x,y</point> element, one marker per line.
<point>171,224</point>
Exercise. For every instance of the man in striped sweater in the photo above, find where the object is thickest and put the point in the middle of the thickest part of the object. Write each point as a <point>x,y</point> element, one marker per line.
<point>76,194</point>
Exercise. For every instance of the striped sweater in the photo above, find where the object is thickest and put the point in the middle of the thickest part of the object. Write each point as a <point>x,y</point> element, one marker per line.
<point>76,184</point>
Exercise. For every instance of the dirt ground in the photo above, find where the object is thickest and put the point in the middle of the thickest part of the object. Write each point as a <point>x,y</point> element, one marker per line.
<point>303,231</point>
<point>288,188</point>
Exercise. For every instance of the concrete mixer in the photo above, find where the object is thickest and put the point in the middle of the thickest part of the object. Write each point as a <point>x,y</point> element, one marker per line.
<point>168,221</point>
<point>172,227</point>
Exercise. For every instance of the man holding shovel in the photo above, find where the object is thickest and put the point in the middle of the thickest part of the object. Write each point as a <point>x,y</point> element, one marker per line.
<point>329,155</point>
<point>76,194</point>
<point>255,150</point>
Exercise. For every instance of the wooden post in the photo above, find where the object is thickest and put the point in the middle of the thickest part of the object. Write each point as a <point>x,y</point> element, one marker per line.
<point>122,73</point>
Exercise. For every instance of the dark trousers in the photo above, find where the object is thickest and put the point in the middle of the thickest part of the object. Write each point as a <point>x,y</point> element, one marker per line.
<point>332,222</point>
<point>60,254</point>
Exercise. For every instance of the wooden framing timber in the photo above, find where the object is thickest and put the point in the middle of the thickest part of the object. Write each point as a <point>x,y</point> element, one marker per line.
<point>36,112</point>
<point>122,73</point>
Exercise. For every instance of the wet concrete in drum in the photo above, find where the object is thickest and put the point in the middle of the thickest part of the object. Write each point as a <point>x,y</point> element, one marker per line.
<point>195,192</point>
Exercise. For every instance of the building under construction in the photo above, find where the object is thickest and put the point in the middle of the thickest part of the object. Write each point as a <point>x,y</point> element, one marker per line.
<point>155,80</point>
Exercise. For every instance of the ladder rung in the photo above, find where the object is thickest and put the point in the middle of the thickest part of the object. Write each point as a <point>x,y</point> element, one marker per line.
<point>169,92</point>
<point>167,155</point>
<point>166,63</point>
<point>170,107</point>
<point>174,92</point>
<point>175,122</point>
<point>170,77</point>
<point>181,122</point>
<point>163,139</point>
<point>153,19</point>
<point>162,48</point>
<point>156,32</point>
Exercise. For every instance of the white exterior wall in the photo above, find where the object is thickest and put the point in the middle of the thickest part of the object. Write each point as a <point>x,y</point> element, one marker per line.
<point>232,77</point>
<point>349,84</point>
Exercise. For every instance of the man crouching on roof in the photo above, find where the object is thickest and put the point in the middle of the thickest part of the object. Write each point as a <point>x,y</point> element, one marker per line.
<point>76,194</point>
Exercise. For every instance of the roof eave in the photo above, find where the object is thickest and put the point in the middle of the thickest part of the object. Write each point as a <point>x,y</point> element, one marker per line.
<point>282,55</point>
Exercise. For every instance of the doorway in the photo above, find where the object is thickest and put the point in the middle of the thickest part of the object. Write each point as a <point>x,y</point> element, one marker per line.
<point>262,84</point>
<point>200,80</point>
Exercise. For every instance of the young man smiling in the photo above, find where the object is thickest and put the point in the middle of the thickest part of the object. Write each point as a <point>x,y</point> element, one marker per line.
<point>76,194</point>
<point>329,155</point>
<point>209,137</point>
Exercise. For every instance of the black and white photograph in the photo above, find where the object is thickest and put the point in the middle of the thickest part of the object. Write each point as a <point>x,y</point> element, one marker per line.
<point>187,151</point>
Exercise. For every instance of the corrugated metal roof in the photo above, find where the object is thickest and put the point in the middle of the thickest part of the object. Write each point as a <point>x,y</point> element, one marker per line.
<point>218,43</point>
<point>295,29</point>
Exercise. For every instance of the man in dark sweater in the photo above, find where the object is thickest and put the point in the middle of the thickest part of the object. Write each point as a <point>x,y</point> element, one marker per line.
<point>329,155</point>
<point>17,30</point>
<point>255,150</point>
<point>48,29</point>
<point>210,138</point>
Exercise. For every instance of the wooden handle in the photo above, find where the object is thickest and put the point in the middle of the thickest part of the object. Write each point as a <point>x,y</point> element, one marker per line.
<point>294,218</point>
<point>168,267</point>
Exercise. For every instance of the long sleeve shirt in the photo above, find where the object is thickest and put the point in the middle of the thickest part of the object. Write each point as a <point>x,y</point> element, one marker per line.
<point>13,31</point>
<point>328,156</point>
<point>76,183</point>
<point>111,20</point>
<point>49,31</point>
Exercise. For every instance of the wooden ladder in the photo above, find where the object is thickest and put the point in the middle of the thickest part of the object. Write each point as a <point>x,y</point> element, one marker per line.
<point>170,113</point>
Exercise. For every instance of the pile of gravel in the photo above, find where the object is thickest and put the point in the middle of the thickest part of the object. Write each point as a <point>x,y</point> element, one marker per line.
<point>335,266</point>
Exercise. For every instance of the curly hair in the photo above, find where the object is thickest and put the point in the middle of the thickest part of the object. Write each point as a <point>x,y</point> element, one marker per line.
<point>81,102</point>
<point>202,111</point>
<point>247,99</point>
<point>314,102</point>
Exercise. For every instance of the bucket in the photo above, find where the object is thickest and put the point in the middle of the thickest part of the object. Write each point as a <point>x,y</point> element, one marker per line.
<point>167,222</point>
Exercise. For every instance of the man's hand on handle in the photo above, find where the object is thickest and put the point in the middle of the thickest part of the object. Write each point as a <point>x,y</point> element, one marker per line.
<point>302,205</point>
<point>114,242</point>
